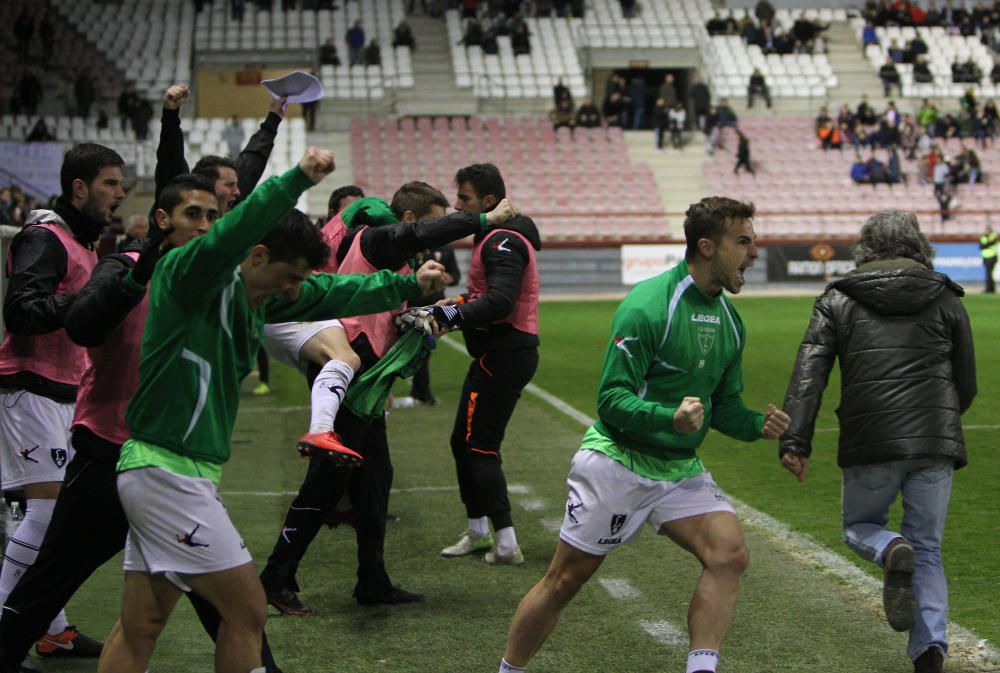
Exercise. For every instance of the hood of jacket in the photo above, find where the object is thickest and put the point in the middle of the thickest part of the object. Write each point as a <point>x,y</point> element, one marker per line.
<point>895,286</point>
<point>84,229</point>
<point>523,225</point>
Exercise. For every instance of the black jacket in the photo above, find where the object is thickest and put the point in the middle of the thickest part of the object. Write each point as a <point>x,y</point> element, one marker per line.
<point>907,366</point>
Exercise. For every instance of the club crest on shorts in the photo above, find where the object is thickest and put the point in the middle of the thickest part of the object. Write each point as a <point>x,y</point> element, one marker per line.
<point>617,521</point>
<point>58,456</point>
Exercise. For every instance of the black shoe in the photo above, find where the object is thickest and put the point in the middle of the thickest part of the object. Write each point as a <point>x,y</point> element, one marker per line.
<point>69,643</point>
<point>396,596</point>
<point>287,602</point>
<point>930,661</point>
<point>897,585</point>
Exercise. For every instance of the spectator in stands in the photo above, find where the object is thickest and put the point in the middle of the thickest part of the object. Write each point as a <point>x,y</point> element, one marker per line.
<point>24,30</point>
<point>615,109</point>
<point>403,36</point>
<point>587,115</point>
<point>29,93</point>
<point>561,91</point>
<point>136,229</point>
<point>821,119</point>
<point>668,90</point>
<point>908,136</point>
<point>638,93</point>
<point>237,7</point>
<point>47,34</point>
<point>866,113</point>
<point>758,87</point>
<point>141,116</point>
<point>373,54</point>
<point>859,170</point>
<point>743,154</point>
<point>845,116</point>
<point>563,114</point>
<point>6,206</point>
<point>661,122</point>
<point>829,136</point>
<point>942,171</point>
<point>890,76</point>
<point>40,133</point>
<point>85,93</point>
<point>328,53</point>
<point>990,118</point>
<point>716,25</point>
<point>678,120</point>
<point>701,100</point>
<point>490,45</point>
<point>894,171</point>
<point>629,8</point>
<point>128,101</point>
<point>877,172</point>
<point>233,135</point>
<point>868,36</point>
<point>473,34</point>
<point>968,101</point>
<point>764,37</point>
<point>355,39</point>
<point>520,42</point>
<point>102,119</point>
<point>287,5</point>
<point>917,47</point>
<point>969,166</point>
<point>469,8</point>
<point>968,71</point>
<point>995,73</point>
<point>895,52</point>
<point>764,11</point>
<point>725,115</point>
<point>921,71</point>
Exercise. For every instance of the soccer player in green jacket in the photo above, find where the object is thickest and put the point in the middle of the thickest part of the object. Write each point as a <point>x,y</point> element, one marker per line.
<point>208,302</point>
<point>672,370</point>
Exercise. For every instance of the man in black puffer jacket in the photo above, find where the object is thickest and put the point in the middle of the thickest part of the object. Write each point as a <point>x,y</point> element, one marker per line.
<point>907,375</point>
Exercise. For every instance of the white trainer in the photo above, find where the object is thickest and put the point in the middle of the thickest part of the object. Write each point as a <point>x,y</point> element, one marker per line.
<point>470,543</point>
<point>512,558</point>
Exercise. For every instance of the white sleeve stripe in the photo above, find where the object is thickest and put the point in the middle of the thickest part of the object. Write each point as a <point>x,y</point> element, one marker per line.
<point>674,300</point>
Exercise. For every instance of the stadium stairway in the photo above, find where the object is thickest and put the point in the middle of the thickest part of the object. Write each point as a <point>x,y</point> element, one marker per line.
<point>854,73</point>
<point>434,91</point>
<point>678,174</point>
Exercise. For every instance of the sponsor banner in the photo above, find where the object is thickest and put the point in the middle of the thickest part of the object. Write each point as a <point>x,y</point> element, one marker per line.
<point>812,262</point>
<point>640,262</point>
<point>35,166</point>
<point>961,261</point>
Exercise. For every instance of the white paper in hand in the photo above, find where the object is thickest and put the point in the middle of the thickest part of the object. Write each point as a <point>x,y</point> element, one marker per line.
<point>300,87</point>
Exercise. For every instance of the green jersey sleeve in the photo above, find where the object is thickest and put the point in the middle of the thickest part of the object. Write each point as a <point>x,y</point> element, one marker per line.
<point>326,295</point>
<point>196,272</point>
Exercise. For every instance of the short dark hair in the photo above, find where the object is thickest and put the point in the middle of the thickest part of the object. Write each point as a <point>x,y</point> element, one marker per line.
<point>84,162</point>
<point>417,197</point>
<point>709,218</point>
<point>295,237</point>
<point>485,180</point>
<point>173,192</point>
<point>209,166</point>
<point>333,207</point>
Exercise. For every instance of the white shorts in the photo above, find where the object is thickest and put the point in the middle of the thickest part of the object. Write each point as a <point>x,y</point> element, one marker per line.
<point>34,438</point>
<point>284,340</point>
<point>177,525</point>
<point>608,503</point>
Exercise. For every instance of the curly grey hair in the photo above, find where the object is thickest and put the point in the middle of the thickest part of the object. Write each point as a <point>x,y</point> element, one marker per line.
<point>891,234</point>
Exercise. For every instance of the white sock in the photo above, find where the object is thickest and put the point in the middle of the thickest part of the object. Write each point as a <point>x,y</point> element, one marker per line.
<point>702,660</point>
<point>480,526</point>
<point>22,549</point>
<point>507,668</point>
<point>328,392</point>
<point>506,539</point>
<point>259,669</point>
<point>59,624</point>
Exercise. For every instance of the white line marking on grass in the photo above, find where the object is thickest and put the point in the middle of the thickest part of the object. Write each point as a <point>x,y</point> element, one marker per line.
<point>619,588</point>
<point>272,410</point>
<point>533,504</point>
<point>551,525</point>
<point>804,547</point>
<point>519,489</point>
<point>664,633</point>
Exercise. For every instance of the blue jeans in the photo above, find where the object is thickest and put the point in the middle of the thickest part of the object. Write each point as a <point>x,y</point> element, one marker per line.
<point>869,491</point>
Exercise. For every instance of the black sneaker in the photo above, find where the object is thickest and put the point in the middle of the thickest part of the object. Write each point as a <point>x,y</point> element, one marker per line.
<point>931,661</point>
<point>287,602</point>
<point>897,586</point>
<point>396,596</point>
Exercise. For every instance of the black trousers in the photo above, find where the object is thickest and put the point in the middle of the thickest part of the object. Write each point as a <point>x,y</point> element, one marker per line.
<point>491,390</point>
<point>368,487</point>
<point>88,528</point>
<point>990,283</point>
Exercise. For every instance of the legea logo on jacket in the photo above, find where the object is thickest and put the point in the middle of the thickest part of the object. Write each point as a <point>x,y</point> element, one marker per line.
<point>621,343</point>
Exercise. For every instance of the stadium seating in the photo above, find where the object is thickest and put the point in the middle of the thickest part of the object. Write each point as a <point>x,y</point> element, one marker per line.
<point>553,55</point>
<point>793,177</point>
<point>943,50</point>
<point>306,30</point>
<point>660,24</point>
<point>150,40</point>
<point>730,61</point>
<point>580,187</point>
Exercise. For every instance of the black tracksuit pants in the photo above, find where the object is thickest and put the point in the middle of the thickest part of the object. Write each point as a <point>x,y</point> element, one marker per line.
<point>88,528</point>
<point>368,487</point>
<point>491,390</point>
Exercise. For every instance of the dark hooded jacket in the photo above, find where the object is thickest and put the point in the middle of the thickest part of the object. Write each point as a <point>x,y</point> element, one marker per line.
<point>907,366</point>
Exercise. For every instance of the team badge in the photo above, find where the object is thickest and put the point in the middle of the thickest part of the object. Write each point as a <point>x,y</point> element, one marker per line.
<point>617,521</point>
<point>58,456</point>
<point>706,339</point>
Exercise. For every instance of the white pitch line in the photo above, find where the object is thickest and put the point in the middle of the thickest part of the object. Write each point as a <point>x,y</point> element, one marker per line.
<point>619,588</point>
<point>551,525</point>
<point>665,633</point>
<point>519,489</point>
<point>803,546</point>
<point>533,504</point>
